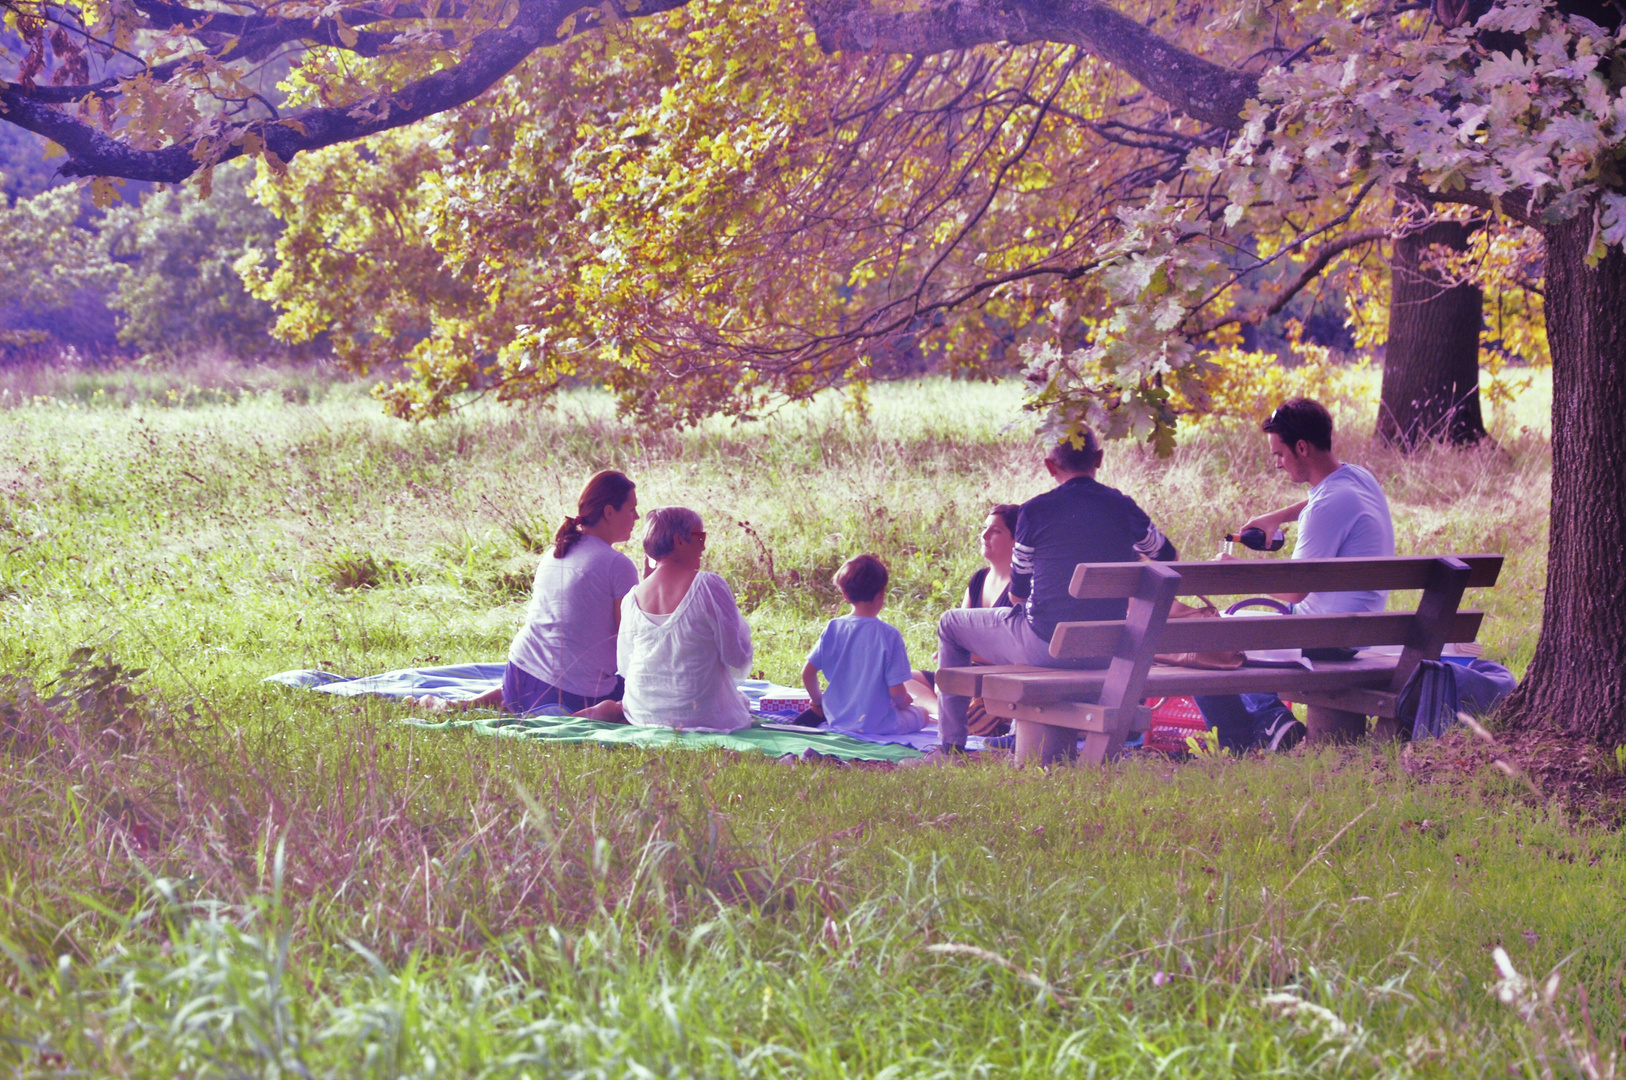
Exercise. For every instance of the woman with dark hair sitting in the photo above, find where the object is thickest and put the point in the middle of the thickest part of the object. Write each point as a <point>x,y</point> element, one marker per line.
<point>564,655</point>
<point>989,587</point>
<point>684,645</point>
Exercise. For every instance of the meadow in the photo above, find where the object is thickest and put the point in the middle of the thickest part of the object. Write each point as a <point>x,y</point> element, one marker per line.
<point>201,875</point>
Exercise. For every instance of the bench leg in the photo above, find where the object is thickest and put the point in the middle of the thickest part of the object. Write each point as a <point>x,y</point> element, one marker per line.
<point>1388,730</point>
<point>1332,726</point>
<point>1043,744</point>
<point>1101,748</point>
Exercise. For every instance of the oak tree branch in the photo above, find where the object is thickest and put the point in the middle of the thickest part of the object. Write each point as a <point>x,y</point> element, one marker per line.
<point>491,55</point>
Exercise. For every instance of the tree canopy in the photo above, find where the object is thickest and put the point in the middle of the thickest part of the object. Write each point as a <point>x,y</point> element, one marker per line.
<point>1138,180</point>
<point>676,224</point>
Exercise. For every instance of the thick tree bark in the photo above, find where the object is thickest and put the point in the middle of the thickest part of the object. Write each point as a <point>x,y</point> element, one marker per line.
<point>1431,363</point>
<point>1193,86</point>
<point>1576,682</point>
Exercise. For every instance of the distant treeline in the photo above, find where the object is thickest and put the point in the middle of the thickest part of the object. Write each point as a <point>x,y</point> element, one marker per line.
<point>152,274</point>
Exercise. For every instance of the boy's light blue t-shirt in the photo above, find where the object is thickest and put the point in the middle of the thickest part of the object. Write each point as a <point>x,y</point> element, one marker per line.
<point>862,658</point>
<point>1346,516</point>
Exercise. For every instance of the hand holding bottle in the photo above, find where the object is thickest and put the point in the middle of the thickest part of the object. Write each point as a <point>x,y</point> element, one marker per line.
<point>1252,536</point>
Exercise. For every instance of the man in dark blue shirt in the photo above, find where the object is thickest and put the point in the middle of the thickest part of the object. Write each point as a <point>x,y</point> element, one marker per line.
<point>1077,521</point>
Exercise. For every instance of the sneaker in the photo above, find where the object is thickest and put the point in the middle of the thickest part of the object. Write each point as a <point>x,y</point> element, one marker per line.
<point>1284,733</point>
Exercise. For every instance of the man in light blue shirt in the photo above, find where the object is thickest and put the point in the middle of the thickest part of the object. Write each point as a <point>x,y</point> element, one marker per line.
<point>1345,516</point>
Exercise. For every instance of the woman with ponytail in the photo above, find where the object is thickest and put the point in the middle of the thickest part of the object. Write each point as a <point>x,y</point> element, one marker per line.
<point>565,652</point>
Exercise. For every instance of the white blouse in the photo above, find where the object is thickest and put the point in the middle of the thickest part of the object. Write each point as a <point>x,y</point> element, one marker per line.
<point>684,671</point>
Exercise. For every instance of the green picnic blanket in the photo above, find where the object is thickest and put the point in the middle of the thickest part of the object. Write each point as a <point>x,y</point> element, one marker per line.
<point>772,741</point>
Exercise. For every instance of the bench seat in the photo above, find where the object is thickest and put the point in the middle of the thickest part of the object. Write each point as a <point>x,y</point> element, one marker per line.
<point>1039,685</point>
<point>1045,685</point>
<point>967,681</point>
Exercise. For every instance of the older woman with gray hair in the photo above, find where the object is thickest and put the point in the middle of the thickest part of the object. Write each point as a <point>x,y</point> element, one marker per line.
<point>683,645</point>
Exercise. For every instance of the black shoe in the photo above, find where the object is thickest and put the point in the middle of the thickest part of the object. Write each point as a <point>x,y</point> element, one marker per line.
<point>1285,732</point>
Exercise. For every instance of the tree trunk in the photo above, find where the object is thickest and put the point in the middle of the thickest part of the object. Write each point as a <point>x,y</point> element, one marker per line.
<point>1431,362</point>
<point>1576,682</point>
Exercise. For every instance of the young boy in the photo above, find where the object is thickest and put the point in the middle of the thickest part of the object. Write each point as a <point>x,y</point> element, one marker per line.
<point>863,660</point>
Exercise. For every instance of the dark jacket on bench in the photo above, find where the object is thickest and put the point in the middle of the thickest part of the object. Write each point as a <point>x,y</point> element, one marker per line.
<point>1081,521</point>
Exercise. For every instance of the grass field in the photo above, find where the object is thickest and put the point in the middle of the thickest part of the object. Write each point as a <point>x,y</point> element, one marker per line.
<point>203,876</point>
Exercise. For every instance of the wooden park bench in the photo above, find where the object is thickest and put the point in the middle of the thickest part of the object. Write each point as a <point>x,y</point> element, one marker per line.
<point>1050,707</point>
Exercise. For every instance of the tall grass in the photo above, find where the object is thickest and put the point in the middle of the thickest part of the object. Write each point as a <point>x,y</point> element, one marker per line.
<point>200,378</point>
<point>204,876</point>
<point>142,520</point>
<point>352,899</point>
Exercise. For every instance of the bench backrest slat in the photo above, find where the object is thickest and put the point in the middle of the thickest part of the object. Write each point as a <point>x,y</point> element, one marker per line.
<point>1077,641</point>
<point>1105,581</point>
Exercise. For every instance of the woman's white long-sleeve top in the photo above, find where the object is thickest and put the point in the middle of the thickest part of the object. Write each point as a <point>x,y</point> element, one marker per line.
<point>684,671</point>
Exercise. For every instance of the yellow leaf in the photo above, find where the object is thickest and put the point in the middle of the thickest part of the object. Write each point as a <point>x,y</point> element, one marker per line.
<point>103,193</point>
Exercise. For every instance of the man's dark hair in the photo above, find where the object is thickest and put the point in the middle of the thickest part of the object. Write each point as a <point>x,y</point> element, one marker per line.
<point>1072,458</point>
<point>1299,419</point>
<point>861,578</point>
